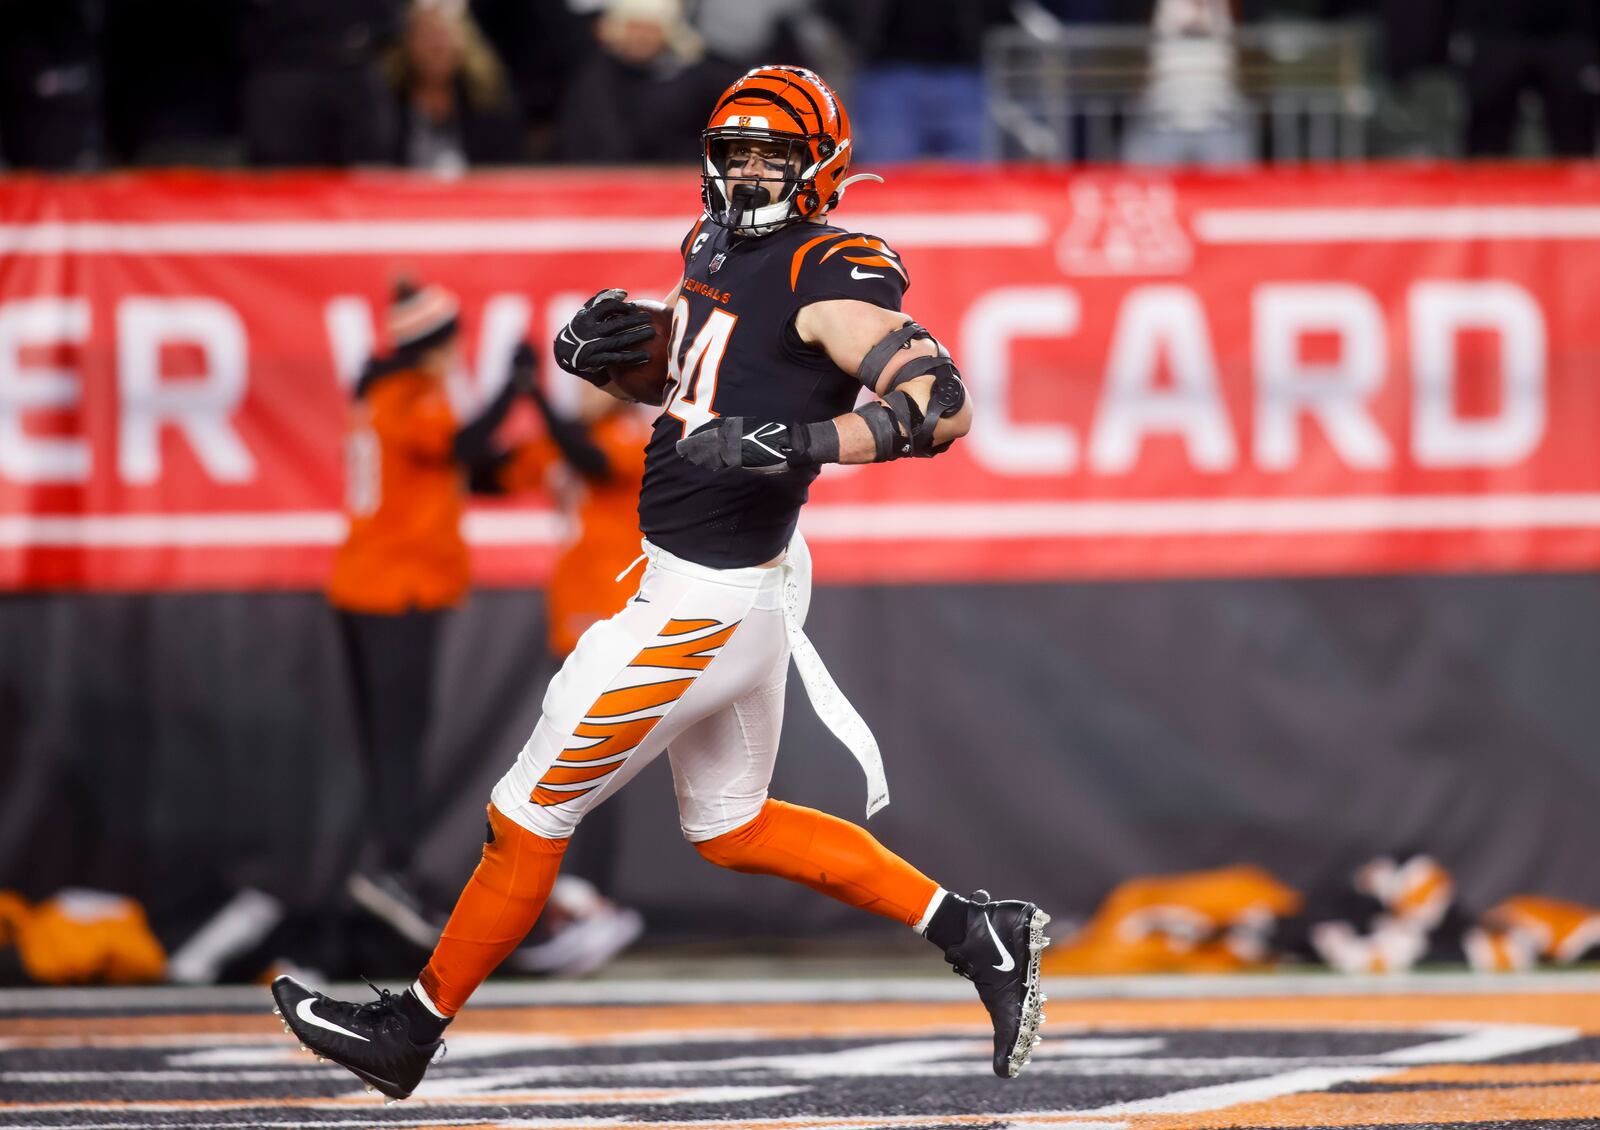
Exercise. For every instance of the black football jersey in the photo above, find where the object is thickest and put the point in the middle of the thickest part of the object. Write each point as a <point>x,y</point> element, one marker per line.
<point>735,352</point>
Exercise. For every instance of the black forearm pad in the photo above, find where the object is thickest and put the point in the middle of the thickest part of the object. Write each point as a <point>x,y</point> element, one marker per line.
<point>886,439</point>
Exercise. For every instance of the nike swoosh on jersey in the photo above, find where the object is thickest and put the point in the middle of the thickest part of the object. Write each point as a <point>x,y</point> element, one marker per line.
<point>1007,962</point>
<point>303,1011</point>
<point>858,273</point>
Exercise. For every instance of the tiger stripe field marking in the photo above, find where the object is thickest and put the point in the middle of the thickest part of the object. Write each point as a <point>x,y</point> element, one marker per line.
<point>1473,1059</point>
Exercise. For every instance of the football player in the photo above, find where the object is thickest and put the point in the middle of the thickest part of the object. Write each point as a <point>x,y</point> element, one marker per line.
<point>779,320</point>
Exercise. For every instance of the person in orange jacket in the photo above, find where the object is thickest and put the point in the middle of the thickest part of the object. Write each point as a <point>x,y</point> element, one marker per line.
<point>581,928</point>
<point>600,499</point>
<point>409,465</point>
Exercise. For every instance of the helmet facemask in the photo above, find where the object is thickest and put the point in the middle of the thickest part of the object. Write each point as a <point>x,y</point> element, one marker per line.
<point>783,193</point>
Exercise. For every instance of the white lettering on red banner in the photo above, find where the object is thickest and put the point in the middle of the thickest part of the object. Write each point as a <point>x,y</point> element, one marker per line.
<point>1365,370</point>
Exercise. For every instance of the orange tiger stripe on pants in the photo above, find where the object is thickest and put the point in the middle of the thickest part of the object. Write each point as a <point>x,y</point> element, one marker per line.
<point>609,740</point>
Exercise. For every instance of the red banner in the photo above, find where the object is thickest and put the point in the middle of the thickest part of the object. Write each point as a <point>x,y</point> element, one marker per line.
<point>1340,370</point>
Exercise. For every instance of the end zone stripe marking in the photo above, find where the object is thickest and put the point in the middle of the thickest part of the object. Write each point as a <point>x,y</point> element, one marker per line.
<point>1480,1074</point>
<point>1518,1104</point>
<point>1249,1091</point>
<point>588,1025</point>
<point>550,1096</point>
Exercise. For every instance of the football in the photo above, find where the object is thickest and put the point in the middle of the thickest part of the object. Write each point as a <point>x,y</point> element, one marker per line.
<point>646,381</point>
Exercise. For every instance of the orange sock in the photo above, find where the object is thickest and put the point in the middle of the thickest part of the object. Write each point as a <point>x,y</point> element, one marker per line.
<point>497,908</point>
<point>828,855</point>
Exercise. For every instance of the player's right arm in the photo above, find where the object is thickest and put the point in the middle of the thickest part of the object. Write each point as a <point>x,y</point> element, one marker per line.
<point>920,411</point>
<point>848,330</point>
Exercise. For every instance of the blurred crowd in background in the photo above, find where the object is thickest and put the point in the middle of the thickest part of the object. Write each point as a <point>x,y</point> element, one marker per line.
<point>445,85</point>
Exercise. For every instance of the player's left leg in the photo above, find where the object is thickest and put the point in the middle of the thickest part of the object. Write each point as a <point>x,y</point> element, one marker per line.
<point>389,1042</point>
<point>701,640</point>
<point>722,766</point>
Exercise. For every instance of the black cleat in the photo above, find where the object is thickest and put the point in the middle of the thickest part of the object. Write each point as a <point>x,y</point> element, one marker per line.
<point>372,1040</point>
<point>1000,955</point>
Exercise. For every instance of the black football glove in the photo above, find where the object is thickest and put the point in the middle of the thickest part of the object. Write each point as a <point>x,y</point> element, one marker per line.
<point>603,333</point>
<point>763,447</point>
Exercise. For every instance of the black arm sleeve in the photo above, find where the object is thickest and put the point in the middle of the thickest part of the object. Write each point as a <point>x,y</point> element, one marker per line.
<point>572,440</point>
<point>483,472</point>
<point>471,444</point>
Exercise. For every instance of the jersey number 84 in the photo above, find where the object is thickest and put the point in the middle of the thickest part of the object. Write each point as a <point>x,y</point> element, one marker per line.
<point>694,382</point>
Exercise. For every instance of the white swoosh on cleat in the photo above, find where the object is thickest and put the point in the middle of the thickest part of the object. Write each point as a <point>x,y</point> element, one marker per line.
<point>303,1011</point>
<point>1007,962</point>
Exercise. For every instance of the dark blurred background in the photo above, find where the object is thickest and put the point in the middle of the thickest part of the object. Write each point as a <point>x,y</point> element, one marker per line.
<point>445,84</point>
<point>188,749</point>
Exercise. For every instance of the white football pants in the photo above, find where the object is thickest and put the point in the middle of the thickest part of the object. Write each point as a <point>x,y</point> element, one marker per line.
<point>695,662</point>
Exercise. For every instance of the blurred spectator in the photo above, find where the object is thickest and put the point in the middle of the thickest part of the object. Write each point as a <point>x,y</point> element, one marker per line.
<point>543,46</point>
<point>1550,46</point>
<point>1084,11</point>
<point>403,565</point>
<point>1414,36</point>
<point>454,107</point>
<point>919,90</point>
<point>313,93</point>
<point>1191,111</point>
<point>593,466</point>
<point>50,84</point>
<point>643,97</point>
<point>751,32</point>
<point>172,82</point>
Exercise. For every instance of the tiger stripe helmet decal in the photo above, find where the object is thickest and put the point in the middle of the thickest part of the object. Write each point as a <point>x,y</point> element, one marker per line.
<point>784,105</point>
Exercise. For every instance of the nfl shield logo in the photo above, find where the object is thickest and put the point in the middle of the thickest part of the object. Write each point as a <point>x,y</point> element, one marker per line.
<point>716,261</point>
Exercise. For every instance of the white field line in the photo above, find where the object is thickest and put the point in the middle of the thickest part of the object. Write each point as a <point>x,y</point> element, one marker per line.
<point>1477,1043</point>
<point>1246,1091</point>
<point>555,1096</point>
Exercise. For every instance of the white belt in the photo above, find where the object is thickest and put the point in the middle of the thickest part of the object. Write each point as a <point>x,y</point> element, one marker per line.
<point>826,698</point>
